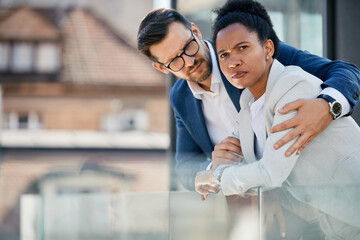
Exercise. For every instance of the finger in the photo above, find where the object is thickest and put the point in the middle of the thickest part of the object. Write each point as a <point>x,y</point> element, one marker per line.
<point>203,197</point>
<point>287,138</point>
<point>291,106</point>
<point>228,146</point>
<point>232,139</point>
<point>302,147</point>
<point>282,226</point>
<point>269,222</point>
<point>210,188</point>
<point>299,142</point>
<point>204,193</point>
<point>200,188</point>
<point>201,191</point>
<point>293,122</point>
<point>226,155</point>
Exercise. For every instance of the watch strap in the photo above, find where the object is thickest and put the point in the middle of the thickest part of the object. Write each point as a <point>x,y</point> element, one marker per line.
<point>327,98</point>
<point>335,106</point>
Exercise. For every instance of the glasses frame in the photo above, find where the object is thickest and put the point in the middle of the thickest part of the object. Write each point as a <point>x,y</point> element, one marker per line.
<point>183,52</point>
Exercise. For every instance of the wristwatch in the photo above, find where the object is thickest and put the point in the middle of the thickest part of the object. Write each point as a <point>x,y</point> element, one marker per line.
<point>335,106</point>
<point>216,177</point>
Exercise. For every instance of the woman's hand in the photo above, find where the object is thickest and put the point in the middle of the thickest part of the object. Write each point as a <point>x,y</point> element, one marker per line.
<point>227,152</point>
<point>204,184</point>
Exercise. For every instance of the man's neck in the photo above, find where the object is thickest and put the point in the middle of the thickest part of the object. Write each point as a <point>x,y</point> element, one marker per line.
<point>206,85</point>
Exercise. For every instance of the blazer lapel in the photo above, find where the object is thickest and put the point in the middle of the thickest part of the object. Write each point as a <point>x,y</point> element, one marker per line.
<point>195,122</point>
<point>246,136</point>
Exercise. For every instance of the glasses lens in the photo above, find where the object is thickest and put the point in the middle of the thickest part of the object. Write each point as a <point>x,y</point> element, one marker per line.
<point>192,48</point>
<point>176,64</point>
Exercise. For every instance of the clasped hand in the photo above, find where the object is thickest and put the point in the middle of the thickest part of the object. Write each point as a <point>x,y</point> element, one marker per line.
<point>227,152</point>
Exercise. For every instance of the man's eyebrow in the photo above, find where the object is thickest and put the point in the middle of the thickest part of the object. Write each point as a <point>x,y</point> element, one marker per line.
<point>182,50</point>
<point>236,45</point>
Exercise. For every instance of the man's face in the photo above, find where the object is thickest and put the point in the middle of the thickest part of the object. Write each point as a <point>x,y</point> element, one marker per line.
<point>196,68</point>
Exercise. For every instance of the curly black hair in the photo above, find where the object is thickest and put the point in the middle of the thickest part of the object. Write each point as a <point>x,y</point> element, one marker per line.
<point>249,13</point>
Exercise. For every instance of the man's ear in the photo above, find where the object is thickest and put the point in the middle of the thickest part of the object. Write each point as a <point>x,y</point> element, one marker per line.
<point>196,31</point>
<point>160,68</point>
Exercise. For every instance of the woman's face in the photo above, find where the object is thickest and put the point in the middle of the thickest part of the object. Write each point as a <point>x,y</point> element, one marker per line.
<point>243,58</point>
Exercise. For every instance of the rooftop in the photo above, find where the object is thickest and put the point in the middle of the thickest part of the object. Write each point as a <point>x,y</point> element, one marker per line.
<point>93,52</point>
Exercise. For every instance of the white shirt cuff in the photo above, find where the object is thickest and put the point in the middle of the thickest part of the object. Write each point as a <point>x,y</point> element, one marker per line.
<point>332,92</point>
<point>230,184</point>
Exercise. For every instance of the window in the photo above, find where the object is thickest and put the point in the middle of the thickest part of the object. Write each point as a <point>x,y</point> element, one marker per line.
<point>4,56</point>
<point>22,57</point>
<point>48,58</point>
<point>30,57</point>
<point>127,120</point>
<point>22,120</point>
<point>296,22</point>
<point>311,25</point>
<point>134,119</point>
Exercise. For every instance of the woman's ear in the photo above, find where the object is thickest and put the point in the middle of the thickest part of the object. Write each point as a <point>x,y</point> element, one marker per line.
<point>269,48</point>
<point>160,67</point>
<point>196,31</point>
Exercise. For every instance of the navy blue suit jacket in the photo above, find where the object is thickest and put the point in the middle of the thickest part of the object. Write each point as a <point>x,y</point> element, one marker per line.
<point>193,147</point>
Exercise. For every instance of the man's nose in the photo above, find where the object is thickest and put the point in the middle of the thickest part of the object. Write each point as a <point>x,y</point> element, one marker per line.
<point>189,61</point>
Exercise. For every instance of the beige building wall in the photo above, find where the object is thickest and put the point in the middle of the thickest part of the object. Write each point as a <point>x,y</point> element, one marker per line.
<point>82,113</point>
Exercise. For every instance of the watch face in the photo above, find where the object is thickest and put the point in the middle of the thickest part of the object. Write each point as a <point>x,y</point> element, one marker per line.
<point>336,108</point>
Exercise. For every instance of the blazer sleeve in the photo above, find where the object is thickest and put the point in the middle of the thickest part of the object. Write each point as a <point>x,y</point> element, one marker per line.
<point>189,157</point>
<point>342,76</point>
<point>274,167</point>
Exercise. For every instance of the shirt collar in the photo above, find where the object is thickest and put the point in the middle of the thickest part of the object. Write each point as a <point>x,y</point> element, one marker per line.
<point>215,77</point>
<point>256,104</point>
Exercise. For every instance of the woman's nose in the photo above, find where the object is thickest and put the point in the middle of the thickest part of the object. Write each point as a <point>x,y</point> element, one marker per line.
<point>234,63</point>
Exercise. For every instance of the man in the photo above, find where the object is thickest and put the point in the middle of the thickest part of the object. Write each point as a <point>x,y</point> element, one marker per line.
<point>206,105</point>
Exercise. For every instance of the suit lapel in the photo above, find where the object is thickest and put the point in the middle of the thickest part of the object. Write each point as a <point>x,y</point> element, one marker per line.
<point>246,136</point>
<point>195,122</point>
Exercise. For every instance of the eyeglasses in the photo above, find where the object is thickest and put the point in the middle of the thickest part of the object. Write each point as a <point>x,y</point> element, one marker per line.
<point>190,50</point>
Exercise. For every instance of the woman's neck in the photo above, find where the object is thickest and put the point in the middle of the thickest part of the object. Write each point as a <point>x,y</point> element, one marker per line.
<point>259,88</point>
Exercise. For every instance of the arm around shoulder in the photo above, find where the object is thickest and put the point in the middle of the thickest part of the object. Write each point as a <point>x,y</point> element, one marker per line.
<point>342,76</point>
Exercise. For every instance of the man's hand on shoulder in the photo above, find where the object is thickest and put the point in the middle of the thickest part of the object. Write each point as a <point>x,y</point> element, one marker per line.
<point>313,118</point>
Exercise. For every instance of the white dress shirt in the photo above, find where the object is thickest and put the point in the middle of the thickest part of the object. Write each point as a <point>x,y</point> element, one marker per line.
<point>219,112</point>
<point>257,124</point>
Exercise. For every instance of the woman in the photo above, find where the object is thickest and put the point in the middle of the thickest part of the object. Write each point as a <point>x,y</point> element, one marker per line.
<point>325,177</point>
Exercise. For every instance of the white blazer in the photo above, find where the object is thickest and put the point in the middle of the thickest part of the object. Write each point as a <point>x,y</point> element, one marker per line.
<point>325,176</point>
